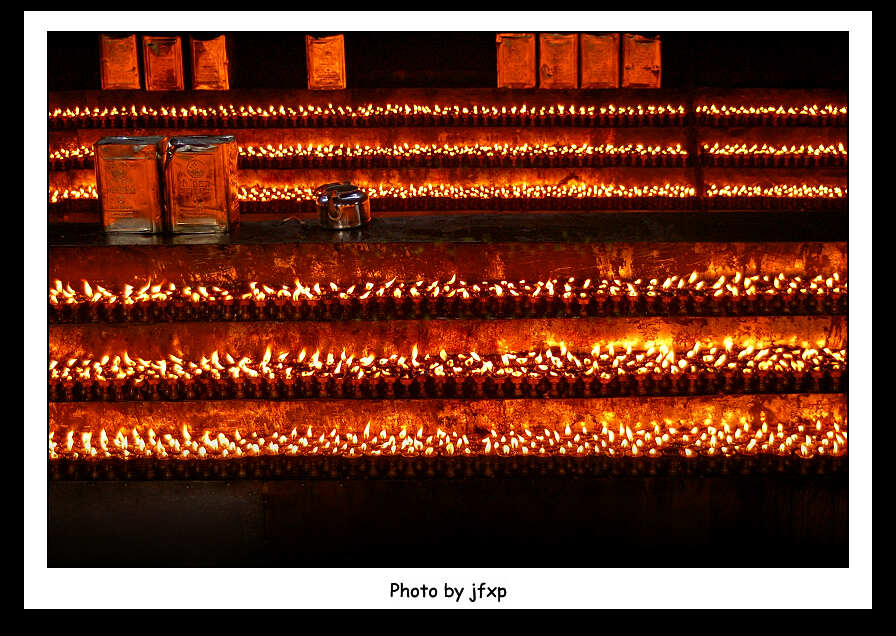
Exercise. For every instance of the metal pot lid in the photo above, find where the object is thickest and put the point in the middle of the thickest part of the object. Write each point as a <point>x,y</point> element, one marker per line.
<point>322,194</point>
<point>349,197</point>
<point>132,141</point>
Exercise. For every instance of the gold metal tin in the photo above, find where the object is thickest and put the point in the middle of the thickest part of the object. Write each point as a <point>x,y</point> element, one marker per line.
<point>163,67</point>
<point>129,183</point>
<point>641,62</point>
<point>118,63</point>
<point>326,62</point>
<point>201,184</point>
<point>599,60</point>
<point>516,60</point>
<point>558,65</point>
<point>210,65</point>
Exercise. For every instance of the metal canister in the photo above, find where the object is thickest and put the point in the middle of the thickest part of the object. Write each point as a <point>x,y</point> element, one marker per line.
<point>325,59</point>
<point>516,60</point>
<point>163,67</point>
<point>599,60</point>
<point>642,65</point>
<point>210,65</point>
<point>558,60</point>
<point>201,184</point>
<point>119,69</point>
<point>342,206</point>
<point>129,183</point>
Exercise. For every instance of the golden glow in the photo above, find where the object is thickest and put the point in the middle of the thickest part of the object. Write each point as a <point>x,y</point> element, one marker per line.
<point>790,191</point>
<point>527,152</point>
<point>340,153</point>
<point>658,294</point>
<point>766,155</point>
<point>705,362</point>
<point>399,114</point>
<point>428,150</point>
<point>483,192</point>
<point>748,435</point>
<point>79,192</point>
<point>771,112</point>
<point>262,193</point>
<point>79,152</point>
<point>765,149</point>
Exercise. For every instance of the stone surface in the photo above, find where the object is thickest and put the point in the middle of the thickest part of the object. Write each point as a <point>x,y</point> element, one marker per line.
<point>193,340</point>
<point>474,247</point>
<point>449,414</point>
<point>768,520</point>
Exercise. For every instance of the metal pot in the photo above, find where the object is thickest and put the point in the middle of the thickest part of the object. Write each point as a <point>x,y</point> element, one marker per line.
<point>341,206</point>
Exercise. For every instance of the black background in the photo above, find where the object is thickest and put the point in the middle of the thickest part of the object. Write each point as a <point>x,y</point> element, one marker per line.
<point>467,59</point>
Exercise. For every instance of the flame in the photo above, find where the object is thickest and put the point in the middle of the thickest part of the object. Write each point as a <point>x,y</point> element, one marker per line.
<point>767,285</point>
<point>805,437</point>
<point>619,360</point>
<point>260,193</point>
<point>344,155</point>
<point>486,114</point>
<point>312,114</point>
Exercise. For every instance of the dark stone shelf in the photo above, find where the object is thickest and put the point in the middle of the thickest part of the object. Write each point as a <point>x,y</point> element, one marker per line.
<point>603,227</point>
<point>384,467</point>
<point>773,519</point>
<point>471,246</point>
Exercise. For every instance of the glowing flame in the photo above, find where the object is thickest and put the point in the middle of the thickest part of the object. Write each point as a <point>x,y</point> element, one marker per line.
<point>819,435</point>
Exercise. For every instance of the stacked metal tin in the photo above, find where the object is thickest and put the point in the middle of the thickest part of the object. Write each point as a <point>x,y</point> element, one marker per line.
<point>183,185</point>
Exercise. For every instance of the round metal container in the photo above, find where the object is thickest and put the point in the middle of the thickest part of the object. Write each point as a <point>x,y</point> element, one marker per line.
<point>341,206</point>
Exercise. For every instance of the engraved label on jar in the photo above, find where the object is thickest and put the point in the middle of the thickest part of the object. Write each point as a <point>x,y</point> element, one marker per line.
<point>196,191</point>
<point>516,60</point>
<point>200,184</point>
<point>162,63</point>
<point>559,60</point>
<point>326,62</point>
<point>118,62</point>
<point>210,65</point>
<point>128,183</point>
<point>118,182</point>
<point>642,65</point>
<point>600,60</point>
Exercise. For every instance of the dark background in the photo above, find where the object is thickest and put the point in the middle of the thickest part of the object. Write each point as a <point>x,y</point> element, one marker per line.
<point>467,59</point>
<point>727,520</point>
